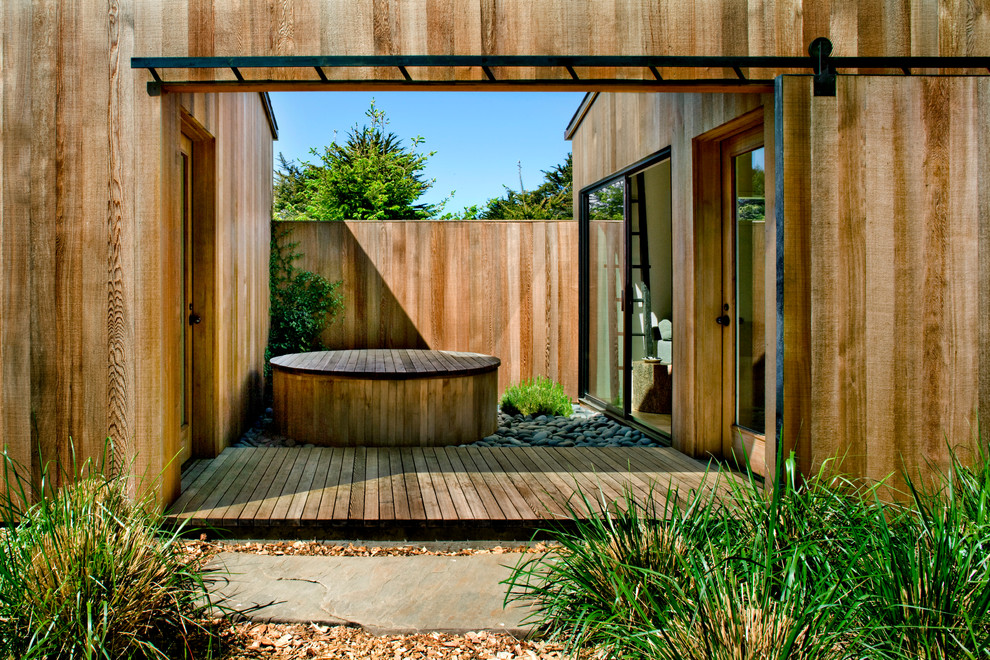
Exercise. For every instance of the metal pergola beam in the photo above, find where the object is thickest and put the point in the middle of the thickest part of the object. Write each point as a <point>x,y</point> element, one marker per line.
<point>818,61</point>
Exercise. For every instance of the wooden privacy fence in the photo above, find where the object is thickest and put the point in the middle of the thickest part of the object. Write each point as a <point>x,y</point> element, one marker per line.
<point>503,288</point>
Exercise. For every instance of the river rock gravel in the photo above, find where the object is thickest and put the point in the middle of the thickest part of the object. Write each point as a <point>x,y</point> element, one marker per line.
<point>583,428</point>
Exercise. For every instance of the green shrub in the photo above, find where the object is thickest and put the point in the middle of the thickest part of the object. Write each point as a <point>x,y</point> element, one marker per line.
<point>536,396</point>
<point>88,573</point>
<point>302,302</point>
<point>813,569</point>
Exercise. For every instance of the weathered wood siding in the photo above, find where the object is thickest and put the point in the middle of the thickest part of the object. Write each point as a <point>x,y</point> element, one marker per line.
<point>87,236</point>
<point>895,219</point>
<point>235,284</point>
<point>507,289</point>
<point>619,130</point>
<point>594,27</point>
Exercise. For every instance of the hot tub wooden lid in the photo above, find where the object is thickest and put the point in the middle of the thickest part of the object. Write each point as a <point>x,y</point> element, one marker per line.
<point>387,364</point>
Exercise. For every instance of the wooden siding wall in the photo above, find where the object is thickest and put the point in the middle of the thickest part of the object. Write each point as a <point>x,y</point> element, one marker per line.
<point>895,217</point>
<point>593,27</point>
<point>87,232</point>
<point>237,279</point>
<point>620,129</point>
<point>507,289</point>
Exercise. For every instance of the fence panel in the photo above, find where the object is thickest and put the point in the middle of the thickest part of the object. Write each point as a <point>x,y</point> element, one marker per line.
<point>503,288</point>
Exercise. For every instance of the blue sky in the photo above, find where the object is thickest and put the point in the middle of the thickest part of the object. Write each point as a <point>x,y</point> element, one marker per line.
<point>478,136</point>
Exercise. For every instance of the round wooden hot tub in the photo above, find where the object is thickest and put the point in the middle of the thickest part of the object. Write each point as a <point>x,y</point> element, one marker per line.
<point>386,397</point>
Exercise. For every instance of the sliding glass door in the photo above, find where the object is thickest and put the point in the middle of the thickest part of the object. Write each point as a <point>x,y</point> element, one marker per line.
<point>626,294</point>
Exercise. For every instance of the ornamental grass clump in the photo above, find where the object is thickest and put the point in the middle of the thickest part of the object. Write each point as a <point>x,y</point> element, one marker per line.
<point>817,568</point>
<point>536,396</point>
<point>87,572</point>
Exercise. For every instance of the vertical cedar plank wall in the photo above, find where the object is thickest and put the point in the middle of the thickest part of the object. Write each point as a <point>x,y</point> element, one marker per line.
<point>507,289</point>
<point>238,282</point>
<point>88,251</point>
<point>894,216</point>
<point>586,27</point>
<point>617,131</point>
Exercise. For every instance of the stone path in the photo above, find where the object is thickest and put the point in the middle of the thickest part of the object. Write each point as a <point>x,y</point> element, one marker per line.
<point>384,595</point>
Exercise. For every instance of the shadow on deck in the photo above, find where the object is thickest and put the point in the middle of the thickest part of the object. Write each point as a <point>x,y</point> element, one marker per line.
<point>421,493</point>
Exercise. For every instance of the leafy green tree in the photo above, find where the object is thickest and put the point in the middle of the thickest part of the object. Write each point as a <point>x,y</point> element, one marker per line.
<point>608,203</point>
<point>291,189</point>
<point>550,200</point>
<point>370,176</point>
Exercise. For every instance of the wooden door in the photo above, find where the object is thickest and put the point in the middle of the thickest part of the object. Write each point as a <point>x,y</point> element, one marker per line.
<point>744,298</point>
<point>186,315</point>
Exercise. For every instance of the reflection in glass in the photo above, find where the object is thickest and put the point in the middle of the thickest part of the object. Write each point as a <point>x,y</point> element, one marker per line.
<point>652,296</point>
<point>605,282</point>
<point>750,210</point>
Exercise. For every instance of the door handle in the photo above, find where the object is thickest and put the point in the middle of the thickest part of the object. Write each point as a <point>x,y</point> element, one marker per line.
<point>194,319</point>
<point>723,320</point>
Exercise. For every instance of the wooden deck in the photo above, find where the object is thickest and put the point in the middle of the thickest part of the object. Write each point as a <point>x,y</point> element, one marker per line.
<point>452,492</point>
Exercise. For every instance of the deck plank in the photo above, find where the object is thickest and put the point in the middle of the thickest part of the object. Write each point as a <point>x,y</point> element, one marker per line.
<point>200,489</point>
<point>281,484</point>
<point>212,509</point>
<point>546,494</point>
<point>400,496</point>
<point>266,486</point>
<point>371,511</point>
<point>453,504</point>
<point>342,501</point>
<point>492,510</point>
<point>296,503</point>
<point>557,487</point>
<point>523,481</point>
<point>247,486</point>
<point>498,478</point>
<point>386,505</point>
<point>258,487</point>
<point>582,476</point>
<point>321,480</point>
<point>500,491</point>
<point>219,487</point>
<point>459,479</point>
<point>358,482</point>
<point>589,489</point>
<point>417,509</point>
<point>427,487</point>
<point>192,471</point>
<point>620,474</point>
<point>328,495</point>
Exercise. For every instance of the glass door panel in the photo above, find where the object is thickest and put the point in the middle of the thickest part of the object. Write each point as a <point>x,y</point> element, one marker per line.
<point>606,281</point>
<point>749,210</point>
<point>650,327</point>
<point>627,293</point>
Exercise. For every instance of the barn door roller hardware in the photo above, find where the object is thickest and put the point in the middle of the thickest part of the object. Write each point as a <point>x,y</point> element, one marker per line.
<point>821,51</point>
<point>710,73</point>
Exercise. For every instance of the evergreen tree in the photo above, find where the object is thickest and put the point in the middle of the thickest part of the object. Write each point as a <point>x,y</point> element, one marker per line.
<point>371,176</point>
<point>552,199</point>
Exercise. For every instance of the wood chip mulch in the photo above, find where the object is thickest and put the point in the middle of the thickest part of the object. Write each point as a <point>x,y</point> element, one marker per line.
<point>247,641</point>
<point>198,550</point>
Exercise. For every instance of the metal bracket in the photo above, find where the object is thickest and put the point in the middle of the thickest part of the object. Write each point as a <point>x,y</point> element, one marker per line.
<point>821,51</point>
<point>154,88</point>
